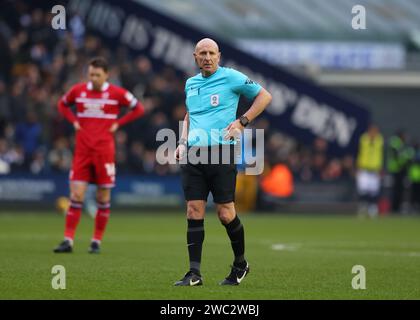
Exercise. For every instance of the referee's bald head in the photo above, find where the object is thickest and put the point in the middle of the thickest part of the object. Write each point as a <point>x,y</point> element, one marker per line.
<point>207,56</point>
<point>207,42</point>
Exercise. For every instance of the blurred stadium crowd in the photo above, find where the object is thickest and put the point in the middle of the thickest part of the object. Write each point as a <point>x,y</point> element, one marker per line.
<point>39,64</point>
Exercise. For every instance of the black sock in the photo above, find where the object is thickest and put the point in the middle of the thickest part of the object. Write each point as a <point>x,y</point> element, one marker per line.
<point>235,231</point>
<point>195,238</point>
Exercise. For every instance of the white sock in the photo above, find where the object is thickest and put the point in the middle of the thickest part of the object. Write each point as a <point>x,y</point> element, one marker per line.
<point>69,240</point>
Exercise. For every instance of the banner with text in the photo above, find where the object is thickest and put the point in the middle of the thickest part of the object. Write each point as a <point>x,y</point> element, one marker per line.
<point>299,107</point>
<point>130,191</point>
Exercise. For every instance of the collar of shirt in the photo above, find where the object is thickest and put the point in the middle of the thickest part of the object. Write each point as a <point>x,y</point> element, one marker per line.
<point>217,70</point>
<point>104,87</point>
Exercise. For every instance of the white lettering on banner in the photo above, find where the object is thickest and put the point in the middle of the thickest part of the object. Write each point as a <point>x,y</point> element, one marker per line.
<point>280,101</point>
<point>135,33</point>
<point>323,121</point>
<point>283,96</point>
<point>344,127</point>
<point>161,39</point>
<point>173,49</point>
<point>79,6</point>
<point>139,34</point>
<point>106,18</point>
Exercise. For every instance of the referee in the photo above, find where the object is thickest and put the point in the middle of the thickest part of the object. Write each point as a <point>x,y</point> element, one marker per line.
<point>212,98</point>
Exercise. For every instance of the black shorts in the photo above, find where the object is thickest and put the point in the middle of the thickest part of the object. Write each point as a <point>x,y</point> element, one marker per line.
<point>199,179</point>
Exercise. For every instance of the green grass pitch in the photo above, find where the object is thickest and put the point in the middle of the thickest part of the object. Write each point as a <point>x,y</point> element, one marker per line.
<point>291,257</point>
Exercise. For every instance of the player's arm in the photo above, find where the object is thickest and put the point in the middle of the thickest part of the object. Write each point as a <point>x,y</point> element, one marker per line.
<point>184,134</point>
<point>261,99</point>
<point>182,146</point>
<point>261,102</point>
<point>136,111</point>
<point>64,105</point>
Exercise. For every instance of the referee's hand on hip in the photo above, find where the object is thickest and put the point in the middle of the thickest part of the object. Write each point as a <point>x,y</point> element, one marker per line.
<point>180,152</point>
<point>233,130</point>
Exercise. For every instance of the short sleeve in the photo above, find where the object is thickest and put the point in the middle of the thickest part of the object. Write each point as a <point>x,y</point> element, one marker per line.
<point>241,84</point>
<point>187,85</point>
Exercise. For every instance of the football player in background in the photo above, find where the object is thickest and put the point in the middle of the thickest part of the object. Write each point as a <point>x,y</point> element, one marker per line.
<point>98,104</point>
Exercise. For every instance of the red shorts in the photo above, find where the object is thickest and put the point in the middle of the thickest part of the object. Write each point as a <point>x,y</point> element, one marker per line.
<point>98,169</point>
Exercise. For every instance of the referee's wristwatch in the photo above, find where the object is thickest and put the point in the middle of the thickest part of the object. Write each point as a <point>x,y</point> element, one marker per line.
<point>244,121</point>
<point>182,141</point>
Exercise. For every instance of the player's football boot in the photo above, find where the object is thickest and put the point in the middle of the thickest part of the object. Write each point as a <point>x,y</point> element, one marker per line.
<point>64,247</point>
<point>190,279</point>
<point>236,276</point>
<point>94,247</point>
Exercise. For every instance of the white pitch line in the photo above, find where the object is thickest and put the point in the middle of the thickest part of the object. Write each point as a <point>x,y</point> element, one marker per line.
<point>294,247</point>
<point>285,247</point>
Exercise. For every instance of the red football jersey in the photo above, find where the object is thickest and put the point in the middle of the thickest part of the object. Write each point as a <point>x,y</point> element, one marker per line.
<point>96,112</point>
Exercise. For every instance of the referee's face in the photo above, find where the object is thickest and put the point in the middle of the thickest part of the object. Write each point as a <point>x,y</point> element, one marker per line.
<point>207,56</point>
